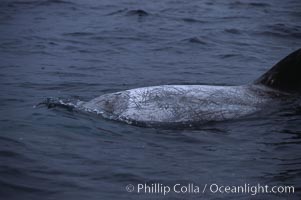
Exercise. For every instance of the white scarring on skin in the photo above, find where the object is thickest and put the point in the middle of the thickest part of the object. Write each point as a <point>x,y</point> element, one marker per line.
<point>180,103</point>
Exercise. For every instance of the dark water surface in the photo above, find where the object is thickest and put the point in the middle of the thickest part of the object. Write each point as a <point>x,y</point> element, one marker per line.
<point>82,49</point>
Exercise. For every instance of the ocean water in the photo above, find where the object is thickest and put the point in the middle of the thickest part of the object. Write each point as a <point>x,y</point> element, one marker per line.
<point>77,49</point>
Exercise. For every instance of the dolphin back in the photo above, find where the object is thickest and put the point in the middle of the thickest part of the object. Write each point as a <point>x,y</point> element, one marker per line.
<point>285,75</point>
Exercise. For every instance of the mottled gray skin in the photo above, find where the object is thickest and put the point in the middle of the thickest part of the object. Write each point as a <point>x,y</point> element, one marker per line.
<point>196,104</point>
<point>181,103</point>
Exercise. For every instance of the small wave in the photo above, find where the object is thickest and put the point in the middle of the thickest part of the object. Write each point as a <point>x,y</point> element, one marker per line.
<point>256,4</point>
<point>106,38</point>
<point>282,30</point>
<point>139,12</point>
<point>78,34</point>
<point>117,12</point>
<point>68,74</point>
<point>196,40</point>
<point>49,2</point>
<point>250,4</point>
<point>233,31</point>
<point>121,177</point>
<point>192,20</point>
<point>228,55</point>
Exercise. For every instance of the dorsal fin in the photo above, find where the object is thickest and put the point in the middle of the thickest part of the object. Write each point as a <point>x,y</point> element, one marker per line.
<point>285,75</point>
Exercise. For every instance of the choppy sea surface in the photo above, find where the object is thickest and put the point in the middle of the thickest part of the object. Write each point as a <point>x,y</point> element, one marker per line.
<point>72,49</point>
